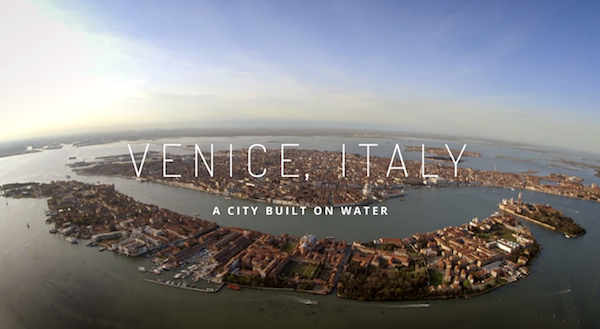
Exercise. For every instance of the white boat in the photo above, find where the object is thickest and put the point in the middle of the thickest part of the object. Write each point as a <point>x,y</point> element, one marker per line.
<point>71,239</point>
<point>53,231</point>
<point>102,249</point>
<point>141,269</point>
<point>308,302</point>
<point>156,271</point>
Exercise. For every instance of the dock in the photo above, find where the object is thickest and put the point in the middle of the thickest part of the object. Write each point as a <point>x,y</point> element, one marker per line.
<point>187,288</point>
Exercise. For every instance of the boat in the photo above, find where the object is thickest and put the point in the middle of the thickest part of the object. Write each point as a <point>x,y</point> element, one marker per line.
<point>53,231</point>
<point>227,198</point>
<point>71,239</point>
<point>308,302</point>
<point>102,249</point>
<point>567,236</point>
<point>142,269</point>
<point>233,287</point>
<point>90,244</point>
<point>156,271</point>
<point>27,225</point>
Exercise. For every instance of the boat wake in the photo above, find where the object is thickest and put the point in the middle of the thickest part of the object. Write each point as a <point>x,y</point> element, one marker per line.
<point>305,301</point>
<point>562,292</point>
<point>407,306</point>
<point>386,305</point>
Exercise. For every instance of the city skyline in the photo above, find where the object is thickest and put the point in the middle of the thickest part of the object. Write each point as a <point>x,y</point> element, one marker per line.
<point>509,71</point>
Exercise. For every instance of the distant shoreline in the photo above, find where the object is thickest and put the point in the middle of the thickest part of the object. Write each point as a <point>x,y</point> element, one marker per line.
<point>19,153</point>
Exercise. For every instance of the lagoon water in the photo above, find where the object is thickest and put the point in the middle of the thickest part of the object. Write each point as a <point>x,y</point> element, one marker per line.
<point>47,282</point>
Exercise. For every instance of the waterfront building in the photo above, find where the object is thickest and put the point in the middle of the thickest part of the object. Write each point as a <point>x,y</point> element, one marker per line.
<point>506,245</point>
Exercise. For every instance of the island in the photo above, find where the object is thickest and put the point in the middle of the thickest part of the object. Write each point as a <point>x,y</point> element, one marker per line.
<point>460,261</point>
<point>441,152</point>
<point>21,147</point>
<point>456,261</point>
<point>327,184</point>
<point>439,158</point>
<point>543,215</point>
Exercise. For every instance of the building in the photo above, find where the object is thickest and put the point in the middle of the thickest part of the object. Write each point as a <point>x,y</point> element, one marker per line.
<point>508,246</point>
<point>131,247</point>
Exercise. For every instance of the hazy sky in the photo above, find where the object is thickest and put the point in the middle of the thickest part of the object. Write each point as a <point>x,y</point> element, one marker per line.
<point>496,69</point>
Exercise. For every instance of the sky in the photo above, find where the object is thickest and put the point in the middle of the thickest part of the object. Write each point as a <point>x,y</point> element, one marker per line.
<point>510,70</point>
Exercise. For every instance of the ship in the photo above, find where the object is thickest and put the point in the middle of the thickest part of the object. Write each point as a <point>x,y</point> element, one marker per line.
<point>233,287</point>
<point>142,269</point>
<point>71,239</point>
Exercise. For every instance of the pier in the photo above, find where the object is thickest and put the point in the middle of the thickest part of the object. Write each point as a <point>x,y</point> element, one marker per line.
<point>187,288</point>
